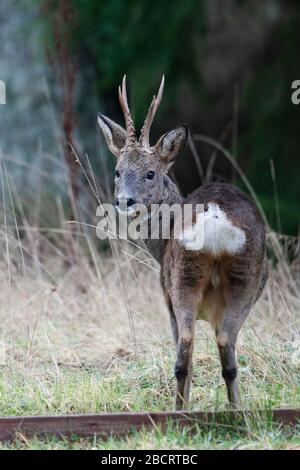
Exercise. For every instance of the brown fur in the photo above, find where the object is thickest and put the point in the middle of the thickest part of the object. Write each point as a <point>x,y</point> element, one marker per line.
<point>197,284</point>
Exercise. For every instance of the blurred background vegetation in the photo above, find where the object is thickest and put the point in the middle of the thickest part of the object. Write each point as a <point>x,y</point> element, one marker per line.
<point>229,67</point>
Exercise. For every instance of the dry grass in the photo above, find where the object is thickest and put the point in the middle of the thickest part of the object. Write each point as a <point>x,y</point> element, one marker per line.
<point>67,344</point>
<point>83,331</point>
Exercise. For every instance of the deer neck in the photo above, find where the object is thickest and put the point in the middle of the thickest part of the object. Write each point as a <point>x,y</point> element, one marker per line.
<point>170,196</point>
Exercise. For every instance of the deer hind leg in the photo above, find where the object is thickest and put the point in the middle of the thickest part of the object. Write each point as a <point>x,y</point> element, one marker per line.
<point>174,327</point>
<point>227,334</point>
<point>183,366</point>
<point>173,320</point>
<point>230,371</point>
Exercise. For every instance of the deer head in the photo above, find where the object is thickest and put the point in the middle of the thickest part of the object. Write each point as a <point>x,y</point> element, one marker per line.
<point>141,168</point>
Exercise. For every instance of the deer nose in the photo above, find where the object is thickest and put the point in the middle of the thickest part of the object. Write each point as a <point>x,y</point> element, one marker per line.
<point>124,202</point>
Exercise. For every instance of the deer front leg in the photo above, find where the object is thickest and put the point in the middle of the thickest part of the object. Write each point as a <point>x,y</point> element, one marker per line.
<point>183,365</point>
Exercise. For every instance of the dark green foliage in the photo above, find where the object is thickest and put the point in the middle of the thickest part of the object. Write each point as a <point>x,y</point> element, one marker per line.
<point>141,38</point>
<point>146,39</point>
<point>273,131</point>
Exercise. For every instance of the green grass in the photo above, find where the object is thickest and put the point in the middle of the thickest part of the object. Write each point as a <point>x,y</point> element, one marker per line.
<point>148,384</point>
<point>268,380</point>
<point>66,347</point>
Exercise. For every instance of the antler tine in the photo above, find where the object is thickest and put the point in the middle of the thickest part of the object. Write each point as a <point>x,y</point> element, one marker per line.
<point>131,135</point>
<point>124,91</point>
<point>144,137</point>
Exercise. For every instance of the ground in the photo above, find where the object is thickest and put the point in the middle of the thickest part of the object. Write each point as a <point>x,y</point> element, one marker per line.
<point>94,337</point>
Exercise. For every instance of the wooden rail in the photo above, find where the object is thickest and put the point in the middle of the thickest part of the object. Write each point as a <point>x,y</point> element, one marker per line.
<point>118,424</point>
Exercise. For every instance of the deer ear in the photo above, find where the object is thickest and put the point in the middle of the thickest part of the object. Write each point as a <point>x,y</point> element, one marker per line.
<point>171,144</point>
<point>114,134</point>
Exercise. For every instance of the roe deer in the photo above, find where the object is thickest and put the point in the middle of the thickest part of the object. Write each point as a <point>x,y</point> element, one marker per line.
<point>218,281</point>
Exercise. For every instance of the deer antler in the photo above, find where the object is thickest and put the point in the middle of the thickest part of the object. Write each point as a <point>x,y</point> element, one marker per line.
<point>144,137</point>
<point>131,134</point>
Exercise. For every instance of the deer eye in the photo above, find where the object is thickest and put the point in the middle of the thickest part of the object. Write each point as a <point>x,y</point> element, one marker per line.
<point>117,174</point>
<point>150,175</point>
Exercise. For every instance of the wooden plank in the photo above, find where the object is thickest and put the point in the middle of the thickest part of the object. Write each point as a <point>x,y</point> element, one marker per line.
<point>118,424</point>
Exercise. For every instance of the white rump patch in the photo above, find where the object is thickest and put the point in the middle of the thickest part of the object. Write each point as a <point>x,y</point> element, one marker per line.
<point>214,233</point>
